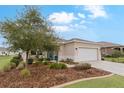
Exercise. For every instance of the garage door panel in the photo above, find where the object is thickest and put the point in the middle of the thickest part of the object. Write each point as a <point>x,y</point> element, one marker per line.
<point>86,54</point>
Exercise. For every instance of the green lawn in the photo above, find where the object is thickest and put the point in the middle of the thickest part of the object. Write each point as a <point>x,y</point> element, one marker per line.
<point>114,81</point>
<point>4,60</point>
<point>121,59</point>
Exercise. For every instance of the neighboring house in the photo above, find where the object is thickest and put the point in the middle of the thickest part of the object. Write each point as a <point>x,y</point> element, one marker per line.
<point>79,50</point>
<point>5,51</point>
<point>107,48</point>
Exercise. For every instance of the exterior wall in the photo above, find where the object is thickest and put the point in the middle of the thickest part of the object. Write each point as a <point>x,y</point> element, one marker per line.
<point>66,51</point>
<point>70,50</point>
<point>109,50</point>
<point>106,51</point>
<point>8,53</point>
<point>4,53</point>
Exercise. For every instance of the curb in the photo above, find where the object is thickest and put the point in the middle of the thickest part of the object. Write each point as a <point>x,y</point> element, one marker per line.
<point>79,80</point>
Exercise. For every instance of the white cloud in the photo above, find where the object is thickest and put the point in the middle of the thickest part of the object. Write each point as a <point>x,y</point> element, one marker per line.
<point>63,28</point>
<point>96,11</point>
<point>70,27</point>
<point>62,17</point>
<point>81,15</point>
<point>77,26</point>
<point>82,22</point>
<point>64,21</point>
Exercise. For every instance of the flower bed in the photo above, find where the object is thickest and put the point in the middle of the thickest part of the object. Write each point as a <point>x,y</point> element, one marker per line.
<point>42,76</point>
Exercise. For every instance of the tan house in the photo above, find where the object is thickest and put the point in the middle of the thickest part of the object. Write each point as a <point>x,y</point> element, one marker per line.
<point>107,47</point>
<point>79,50</point>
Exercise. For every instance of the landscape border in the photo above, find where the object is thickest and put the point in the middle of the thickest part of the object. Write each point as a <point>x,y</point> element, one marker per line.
<point>79,80</point>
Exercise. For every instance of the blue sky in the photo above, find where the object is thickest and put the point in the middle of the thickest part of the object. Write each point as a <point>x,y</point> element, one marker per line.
<point>95,23</point>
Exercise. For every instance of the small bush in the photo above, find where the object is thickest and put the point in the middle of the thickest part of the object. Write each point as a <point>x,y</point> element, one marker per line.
<point>40,59</point>
<point>25,72</point>
<point>30,61</point>
<point>57,66</point>
<point>13,65</point>
<point>116,54</point>
<point>21,66</point>
<point>37,63</point>
<point>108,56</point>
<point>45,63</point>
<point>40,62</point>
<point>102,58</point>
<point>7,68</point>
<point>62,60</point>
<point>82,66</point>
<point>16,60</point>
<point>69,60</point>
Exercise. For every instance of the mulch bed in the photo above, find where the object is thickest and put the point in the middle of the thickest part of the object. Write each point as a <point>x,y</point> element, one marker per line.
<point>43,77</point>
<point>70,63</point>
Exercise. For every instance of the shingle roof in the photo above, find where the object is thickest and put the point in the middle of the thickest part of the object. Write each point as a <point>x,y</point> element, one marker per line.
<point>108,44</point>
<point>77,40</point>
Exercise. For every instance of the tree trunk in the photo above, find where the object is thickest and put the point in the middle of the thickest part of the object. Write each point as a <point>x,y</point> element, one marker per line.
<point>27,52</point>
<point>27,55</point>
<point>37,54</point>
<point>57,56</point>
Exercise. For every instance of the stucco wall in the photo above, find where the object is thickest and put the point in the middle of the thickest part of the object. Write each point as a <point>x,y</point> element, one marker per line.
<point>70,50</point>
<point>66,51</point>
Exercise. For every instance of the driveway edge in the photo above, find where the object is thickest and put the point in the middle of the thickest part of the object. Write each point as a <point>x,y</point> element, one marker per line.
<point>79,80</point>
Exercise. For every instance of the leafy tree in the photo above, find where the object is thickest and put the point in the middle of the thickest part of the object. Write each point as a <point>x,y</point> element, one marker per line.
<point>29,31</point>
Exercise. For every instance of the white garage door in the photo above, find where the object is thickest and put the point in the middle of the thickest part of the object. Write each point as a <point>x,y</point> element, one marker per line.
<point>87,54</point>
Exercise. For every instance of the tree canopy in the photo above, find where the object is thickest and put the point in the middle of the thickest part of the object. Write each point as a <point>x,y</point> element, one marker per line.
<point>29,31</point>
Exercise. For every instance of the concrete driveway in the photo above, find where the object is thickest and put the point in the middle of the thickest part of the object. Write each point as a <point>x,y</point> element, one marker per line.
<point>116,68</point>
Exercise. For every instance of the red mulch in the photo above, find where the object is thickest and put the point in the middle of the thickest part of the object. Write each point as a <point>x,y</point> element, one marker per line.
<point>42,76</point>
<point>70,63</point>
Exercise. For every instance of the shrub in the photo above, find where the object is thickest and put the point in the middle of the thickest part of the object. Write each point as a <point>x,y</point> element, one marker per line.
<point>21,66</point>
<point>13,65</point>
<point>7,68</point>
<point>107,55</point>
<point>122,54</point>
<point>62,60</point>
<point>57,66</point>
<point>25,72</point>
<point>40,59</point>
<point>82,66</point>
<point>40,62</point>
<point>102,58</point>
<point>69,60</point>
<point>37,63</point>
<point>116,54</point>
<point>46,59</point>
<point>30,61</point>
<point>45,63</point>
<point>16,60</point>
